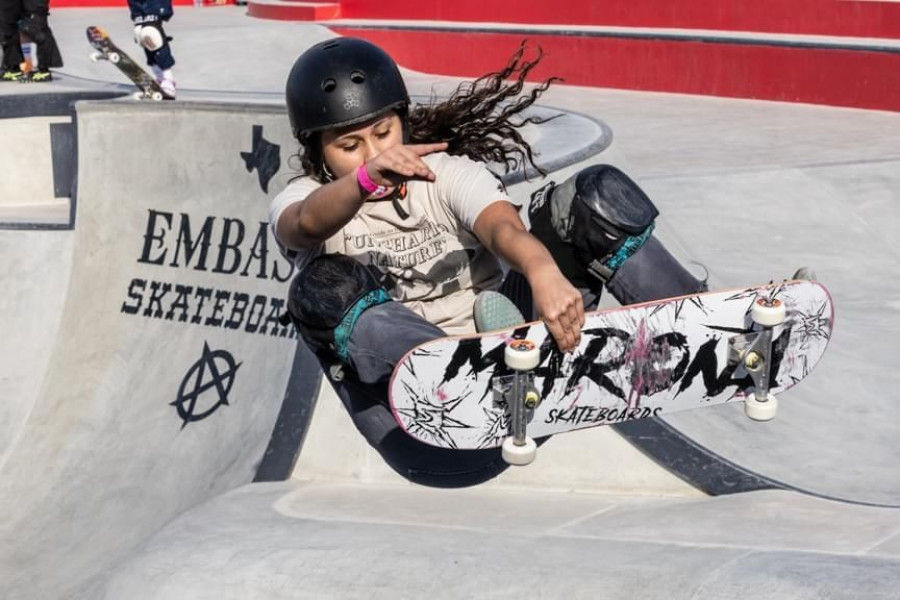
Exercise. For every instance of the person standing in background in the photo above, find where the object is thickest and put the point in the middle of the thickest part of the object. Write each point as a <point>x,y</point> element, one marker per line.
<point>30,18</point>
<point>148,17</point>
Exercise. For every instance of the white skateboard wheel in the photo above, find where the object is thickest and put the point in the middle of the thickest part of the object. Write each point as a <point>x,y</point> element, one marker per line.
<point>517,455</point>
<point>768,314</point>
<point>521,355</point>
<point>95,56</point>
<point>114,57</point>
<point>761,411</point>
<point>156,96</point>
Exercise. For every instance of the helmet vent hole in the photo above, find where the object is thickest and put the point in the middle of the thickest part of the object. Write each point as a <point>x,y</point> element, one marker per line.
<point>357,77</point>
<point>328,85</point>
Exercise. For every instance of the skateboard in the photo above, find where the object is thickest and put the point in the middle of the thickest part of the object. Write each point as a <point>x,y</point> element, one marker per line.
<point>105,49</point>
<point>505,388</point>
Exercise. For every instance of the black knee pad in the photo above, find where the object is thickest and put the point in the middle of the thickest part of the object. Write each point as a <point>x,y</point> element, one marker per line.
<point>592,222</point>
<point>36,27</point>
<point>8,34</point>
<point>326,298</point>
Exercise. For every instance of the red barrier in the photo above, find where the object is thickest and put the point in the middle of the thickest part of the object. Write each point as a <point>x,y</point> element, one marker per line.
<point>839,77</point>
<point>813,17</point>
<point>123,4</point>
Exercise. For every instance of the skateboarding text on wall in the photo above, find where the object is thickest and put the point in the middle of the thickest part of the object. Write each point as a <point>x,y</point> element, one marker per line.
<point>218,245</point>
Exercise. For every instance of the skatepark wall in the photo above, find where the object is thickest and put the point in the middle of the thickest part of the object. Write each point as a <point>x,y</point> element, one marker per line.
<point>39,159</point>
<point>149,366</point>
<point>37,208</point>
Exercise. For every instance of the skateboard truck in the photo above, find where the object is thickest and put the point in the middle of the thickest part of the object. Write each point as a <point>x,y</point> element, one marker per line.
<point>112,57</point>
<point>522,356</point>
<point>753,351</point>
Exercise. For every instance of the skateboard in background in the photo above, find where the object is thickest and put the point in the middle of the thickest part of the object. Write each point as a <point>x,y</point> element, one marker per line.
<point>105,49</point>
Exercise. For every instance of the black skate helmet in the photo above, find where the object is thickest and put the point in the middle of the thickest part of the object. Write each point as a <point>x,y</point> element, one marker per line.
<point>342,82</point>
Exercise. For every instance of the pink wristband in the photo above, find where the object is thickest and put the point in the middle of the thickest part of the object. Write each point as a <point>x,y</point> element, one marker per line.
<point>370,187</point>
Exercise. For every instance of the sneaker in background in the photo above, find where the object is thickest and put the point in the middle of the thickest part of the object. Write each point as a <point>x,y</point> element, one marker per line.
<point>9,75</point>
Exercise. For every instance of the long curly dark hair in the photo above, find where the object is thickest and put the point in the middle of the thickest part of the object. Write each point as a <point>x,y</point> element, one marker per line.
<point>481,119</point>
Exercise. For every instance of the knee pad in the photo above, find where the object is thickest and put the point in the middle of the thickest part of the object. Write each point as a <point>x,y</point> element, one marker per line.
<point>36,27</point>
<point>150,36</point>
<point>593,221</point>
<point>326,299</point>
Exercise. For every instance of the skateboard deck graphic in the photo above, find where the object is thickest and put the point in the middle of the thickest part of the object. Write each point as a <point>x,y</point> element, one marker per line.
<point>633,362</point>
<point>105,49</point>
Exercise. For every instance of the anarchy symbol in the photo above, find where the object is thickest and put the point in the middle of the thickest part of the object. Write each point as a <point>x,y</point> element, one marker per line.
<point>219,382</point>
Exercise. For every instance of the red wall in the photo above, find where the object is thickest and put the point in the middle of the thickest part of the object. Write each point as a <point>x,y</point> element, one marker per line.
<point>123,4</point>
<point>820,17</point>
<point>815,75</point>
<point>838,76</point>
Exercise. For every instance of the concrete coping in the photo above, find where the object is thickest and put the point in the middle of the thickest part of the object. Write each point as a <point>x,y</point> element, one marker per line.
<point>563,139</point>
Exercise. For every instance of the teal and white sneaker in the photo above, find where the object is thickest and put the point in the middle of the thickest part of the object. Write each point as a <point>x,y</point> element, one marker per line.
<point>805,273</point>
<point>494,311</point>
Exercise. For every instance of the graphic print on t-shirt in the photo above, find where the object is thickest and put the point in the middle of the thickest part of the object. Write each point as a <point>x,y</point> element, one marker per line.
<point>426,262</point>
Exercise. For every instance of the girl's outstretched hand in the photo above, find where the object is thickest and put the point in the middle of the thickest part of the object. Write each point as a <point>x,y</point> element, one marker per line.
<point>402,163</point>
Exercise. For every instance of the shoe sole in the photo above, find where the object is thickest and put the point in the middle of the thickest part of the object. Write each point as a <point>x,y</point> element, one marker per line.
<point>495,311</point>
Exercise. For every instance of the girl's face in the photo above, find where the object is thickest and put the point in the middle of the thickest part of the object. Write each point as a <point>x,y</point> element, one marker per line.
<point>347,148</point>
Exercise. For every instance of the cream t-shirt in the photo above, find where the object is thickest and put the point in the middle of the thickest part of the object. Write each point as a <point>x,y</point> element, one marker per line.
<point>430,261</point>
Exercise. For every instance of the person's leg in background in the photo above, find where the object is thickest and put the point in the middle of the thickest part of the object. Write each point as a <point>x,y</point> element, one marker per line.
<point>10,14</point>
<point>149,17</point>
<point>35,14</point>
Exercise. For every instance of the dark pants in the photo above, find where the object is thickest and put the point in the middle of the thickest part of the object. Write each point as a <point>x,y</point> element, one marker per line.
<point>651,274</point>
<point>29,17</point>
<point>158,11</point>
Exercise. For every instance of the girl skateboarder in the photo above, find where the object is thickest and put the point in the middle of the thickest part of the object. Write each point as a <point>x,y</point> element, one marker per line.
<point>398,229</point>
